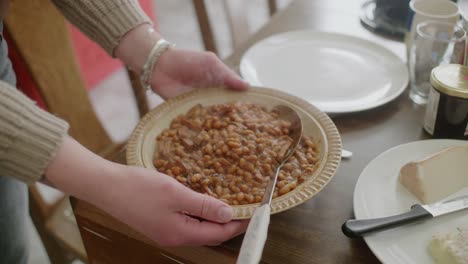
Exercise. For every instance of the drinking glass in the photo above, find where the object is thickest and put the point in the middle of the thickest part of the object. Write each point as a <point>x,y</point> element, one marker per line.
<point>425,10</point>
<point>434,43</point>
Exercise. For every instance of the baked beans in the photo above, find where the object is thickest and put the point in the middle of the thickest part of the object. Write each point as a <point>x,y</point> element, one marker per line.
<point>231,151</point>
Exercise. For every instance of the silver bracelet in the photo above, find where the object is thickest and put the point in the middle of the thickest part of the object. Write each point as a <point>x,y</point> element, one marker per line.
<point>159,48</point>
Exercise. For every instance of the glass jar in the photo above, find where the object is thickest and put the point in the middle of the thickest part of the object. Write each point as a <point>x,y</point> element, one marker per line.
<point>447,107</point>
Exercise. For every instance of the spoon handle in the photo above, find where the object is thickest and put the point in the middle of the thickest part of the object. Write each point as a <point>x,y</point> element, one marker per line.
<point>255,236</point>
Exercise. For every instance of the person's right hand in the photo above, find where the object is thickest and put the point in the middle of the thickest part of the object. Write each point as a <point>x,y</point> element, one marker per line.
<point>161,208</point>
<point>152,203</point>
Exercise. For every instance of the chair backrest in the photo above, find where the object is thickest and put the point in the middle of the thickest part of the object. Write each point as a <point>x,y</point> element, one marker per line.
<point>206,30</point>
<point>40,36</point>
<point>272,7</point>
<point>237,21</point>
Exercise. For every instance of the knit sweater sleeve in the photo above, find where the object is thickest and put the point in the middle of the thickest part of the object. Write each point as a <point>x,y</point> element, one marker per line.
<point>104,21</point>
<point>29,136</point>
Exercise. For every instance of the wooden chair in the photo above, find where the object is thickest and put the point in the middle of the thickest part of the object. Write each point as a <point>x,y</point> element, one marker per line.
<point>39,34</point>
<point>238,25</point>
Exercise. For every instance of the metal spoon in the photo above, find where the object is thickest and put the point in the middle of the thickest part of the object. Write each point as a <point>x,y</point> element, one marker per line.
<point>256,234</point>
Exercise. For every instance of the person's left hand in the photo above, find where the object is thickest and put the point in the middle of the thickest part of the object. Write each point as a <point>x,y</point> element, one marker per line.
<point>178,71</point>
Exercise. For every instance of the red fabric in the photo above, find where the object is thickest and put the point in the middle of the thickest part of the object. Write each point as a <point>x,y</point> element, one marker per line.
<point>94,63</point>
<point>24,80</point>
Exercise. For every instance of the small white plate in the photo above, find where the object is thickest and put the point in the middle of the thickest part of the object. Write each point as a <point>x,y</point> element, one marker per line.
<point>378,193</point>
<point>337,73</point>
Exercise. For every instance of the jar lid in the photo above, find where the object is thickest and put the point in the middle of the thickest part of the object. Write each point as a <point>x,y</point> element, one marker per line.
<point>451,79</point>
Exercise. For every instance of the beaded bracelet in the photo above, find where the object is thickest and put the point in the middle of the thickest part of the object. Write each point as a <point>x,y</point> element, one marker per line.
<point>159,48</point>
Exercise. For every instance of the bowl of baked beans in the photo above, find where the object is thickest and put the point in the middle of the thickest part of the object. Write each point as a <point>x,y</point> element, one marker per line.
<point>227,144</point>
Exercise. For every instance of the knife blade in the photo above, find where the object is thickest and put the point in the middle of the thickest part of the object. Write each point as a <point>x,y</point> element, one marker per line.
<point>359,227</point>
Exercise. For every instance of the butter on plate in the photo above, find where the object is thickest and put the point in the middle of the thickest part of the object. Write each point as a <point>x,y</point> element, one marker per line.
<point>450,248</point>
<point>437,176</point>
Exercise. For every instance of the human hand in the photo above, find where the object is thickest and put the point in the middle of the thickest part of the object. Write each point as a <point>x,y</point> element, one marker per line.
<point>161,208</point>
<point>152,203</point>
<point>178,71</point>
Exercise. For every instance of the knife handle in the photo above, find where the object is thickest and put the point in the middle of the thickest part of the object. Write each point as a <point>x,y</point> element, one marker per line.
<point>357,228</point>
<point>255,236</point>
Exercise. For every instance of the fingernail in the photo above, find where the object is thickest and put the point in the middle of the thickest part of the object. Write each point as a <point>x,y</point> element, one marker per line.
<point>225,214</point>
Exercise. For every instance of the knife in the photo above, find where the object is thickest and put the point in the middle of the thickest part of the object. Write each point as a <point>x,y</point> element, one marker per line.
<point>356,228</point>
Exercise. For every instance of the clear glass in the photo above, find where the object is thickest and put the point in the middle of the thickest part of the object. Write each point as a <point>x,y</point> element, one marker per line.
<point>435,43</point>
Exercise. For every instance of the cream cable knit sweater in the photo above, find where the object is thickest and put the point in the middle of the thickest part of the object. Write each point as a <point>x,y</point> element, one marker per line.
<point>29,136</point>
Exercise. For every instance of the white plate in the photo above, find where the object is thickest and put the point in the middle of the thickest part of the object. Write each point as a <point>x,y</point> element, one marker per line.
<point>378,193</point>
<point>337,73</point>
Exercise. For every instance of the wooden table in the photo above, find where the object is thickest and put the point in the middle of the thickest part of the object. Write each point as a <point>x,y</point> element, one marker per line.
<point>311,232</point>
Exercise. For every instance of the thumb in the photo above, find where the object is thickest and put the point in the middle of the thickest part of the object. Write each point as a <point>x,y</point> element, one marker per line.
<point>233,81</point>
<point>205,206</point>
